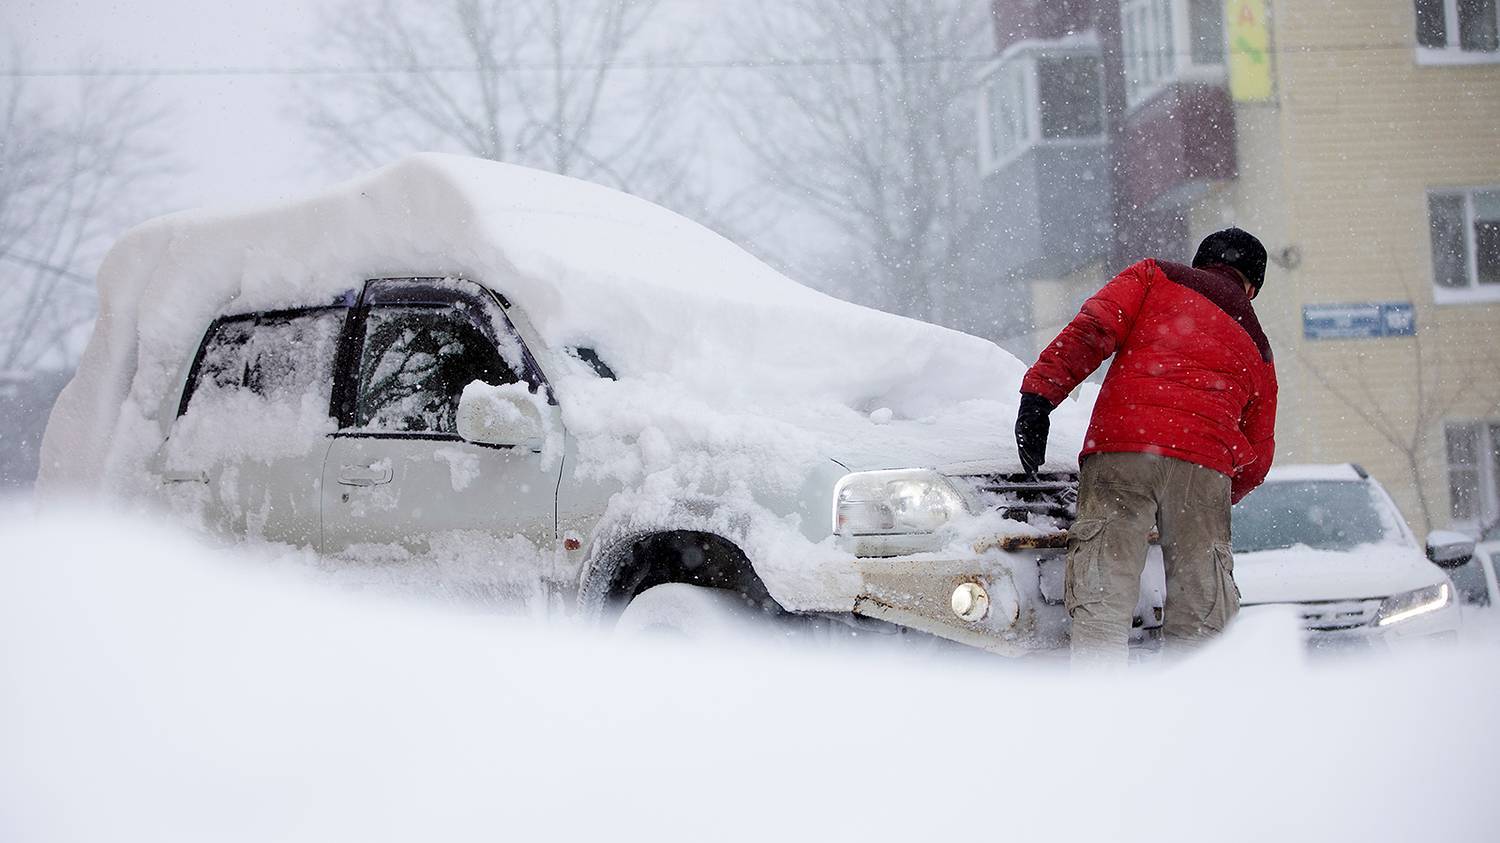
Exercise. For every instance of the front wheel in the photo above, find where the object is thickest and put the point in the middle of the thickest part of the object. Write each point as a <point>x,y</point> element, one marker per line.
<point>690,612</point>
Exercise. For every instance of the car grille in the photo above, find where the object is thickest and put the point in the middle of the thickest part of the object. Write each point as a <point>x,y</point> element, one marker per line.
<point>1334,615</point>
<point>1047,501</point>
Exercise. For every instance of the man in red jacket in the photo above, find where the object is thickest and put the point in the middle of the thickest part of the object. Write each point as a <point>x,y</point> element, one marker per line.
<point>1183,427</point>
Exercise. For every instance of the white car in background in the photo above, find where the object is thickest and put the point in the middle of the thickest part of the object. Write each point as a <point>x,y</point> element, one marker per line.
<point>1329,541</point>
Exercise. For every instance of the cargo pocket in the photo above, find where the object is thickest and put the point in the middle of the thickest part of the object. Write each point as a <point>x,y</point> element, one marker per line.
<point>1208,489</point>
<point>1226,603</point>
<point>1084,580</point>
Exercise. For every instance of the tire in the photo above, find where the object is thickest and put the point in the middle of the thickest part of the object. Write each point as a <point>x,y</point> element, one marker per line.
<point>685,612</point>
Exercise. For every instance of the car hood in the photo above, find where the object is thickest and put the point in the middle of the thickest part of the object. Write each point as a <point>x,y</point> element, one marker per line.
<point>959,447</point>
<point>1303,574</point>
<point>968,437</point>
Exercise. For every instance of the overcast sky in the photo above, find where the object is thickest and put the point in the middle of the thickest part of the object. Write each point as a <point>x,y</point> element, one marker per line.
<point>235,135</point>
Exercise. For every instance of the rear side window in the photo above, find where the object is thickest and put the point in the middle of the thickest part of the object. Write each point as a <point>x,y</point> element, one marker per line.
<point>284,358</point>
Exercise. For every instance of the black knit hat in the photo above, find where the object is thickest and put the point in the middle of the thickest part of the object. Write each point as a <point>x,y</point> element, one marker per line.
<point>1237,248</point>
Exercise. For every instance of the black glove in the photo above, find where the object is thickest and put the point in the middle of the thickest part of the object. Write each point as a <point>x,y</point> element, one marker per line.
<point>1032,425</point>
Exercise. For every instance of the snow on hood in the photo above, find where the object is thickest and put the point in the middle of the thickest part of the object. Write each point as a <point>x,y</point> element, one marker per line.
<point>1303,574</point>
<point>711,345</point>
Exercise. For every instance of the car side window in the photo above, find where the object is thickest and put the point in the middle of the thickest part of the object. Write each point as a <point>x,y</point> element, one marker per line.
<point>222,361</point>
<point>285,357</point>
<point>414,364</point>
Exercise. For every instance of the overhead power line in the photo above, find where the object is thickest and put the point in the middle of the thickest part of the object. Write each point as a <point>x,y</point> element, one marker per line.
<point>60,271</point>
<point>622,64</point>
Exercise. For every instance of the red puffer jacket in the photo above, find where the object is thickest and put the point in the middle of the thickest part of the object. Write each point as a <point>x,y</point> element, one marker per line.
<point>1192,376</point>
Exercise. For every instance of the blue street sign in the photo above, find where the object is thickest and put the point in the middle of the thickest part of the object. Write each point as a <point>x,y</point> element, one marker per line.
<point>1358,321</point>
<point>1399,318</point>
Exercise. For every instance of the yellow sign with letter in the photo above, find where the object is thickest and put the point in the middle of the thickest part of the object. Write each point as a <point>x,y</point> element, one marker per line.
<point>1249,35</point>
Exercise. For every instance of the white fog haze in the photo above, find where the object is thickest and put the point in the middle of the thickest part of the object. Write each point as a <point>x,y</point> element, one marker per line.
<point>275,706</point>
<point>233,139</point>
<point>749,419</point>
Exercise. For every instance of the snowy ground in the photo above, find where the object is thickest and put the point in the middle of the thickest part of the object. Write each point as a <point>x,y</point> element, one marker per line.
<point>156,689</point>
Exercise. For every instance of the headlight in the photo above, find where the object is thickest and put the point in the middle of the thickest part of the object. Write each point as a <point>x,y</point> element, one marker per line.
<point>1400,607</point>
<point>970,601</point>
<point>892,502</point>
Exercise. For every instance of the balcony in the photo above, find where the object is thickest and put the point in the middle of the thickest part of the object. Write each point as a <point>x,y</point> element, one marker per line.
<point>1177,136</point>
<point>1176,144</point>
<point>1044,157</point>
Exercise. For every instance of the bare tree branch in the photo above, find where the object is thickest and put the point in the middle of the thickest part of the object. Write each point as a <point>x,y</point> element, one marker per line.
<point>72,173</point>
<point>1436,394</point>
<point>526,81</point>
<point>873,147</point>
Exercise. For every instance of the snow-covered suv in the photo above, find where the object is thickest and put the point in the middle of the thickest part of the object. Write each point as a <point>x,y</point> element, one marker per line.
<point>512,382</point>
<point>1329,541</point>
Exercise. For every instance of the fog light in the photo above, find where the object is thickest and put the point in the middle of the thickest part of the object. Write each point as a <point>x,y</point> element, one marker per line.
<point>970,601</point>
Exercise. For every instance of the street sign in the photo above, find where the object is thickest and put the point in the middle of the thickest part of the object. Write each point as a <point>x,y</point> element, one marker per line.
<point>1249,37</point>
<point>1358,321</point>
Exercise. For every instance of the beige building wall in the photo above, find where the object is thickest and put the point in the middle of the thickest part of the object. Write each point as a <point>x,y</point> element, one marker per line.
<point>1334,175</point>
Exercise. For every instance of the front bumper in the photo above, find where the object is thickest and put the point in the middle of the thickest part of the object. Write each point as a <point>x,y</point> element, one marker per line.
<point>1324,634</point>
<point>917,592</point>
<point>1022,576</point>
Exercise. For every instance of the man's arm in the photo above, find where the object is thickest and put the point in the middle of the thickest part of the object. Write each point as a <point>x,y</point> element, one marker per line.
<point>1258,423</point>
<point>1094,334</point>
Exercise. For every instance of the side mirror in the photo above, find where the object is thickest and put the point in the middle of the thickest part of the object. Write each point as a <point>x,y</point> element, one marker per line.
<point>1448,549</point>
<point>500,415</point>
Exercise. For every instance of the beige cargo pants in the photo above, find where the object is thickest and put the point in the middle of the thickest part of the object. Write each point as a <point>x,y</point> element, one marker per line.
<point>1121,496</point>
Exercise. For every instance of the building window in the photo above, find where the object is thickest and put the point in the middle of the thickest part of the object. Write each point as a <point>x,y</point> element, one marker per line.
<point>1008,104</point>
<point>1168,40</point>
<point>1206,29</point>
<point>1147,35</point>
<point>1035,99</point>
<point>1458,30</point>
<point>1473,472</point>
<point>1068,96</point>
<point>1464,226</point>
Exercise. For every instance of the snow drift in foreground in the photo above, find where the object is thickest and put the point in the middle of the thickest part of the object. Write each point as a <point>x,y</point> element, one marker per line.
<point>158,689</point>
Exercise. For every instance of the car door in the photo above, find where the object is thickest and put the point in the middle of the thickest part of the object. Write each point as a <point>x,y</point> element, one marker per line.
<point>1471,580</point>
<point>246,449</point>
<point>1488,553</point>
<point>399,484</point>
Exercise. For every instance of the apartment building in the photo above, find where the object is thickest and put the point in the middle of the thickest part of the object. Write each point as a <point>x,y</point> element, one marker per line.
<point>1360,141</point>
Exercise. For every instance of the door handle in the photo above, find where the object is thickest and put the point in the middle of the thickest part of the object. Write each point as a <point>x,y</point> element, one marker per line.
<point>184,476</point>
<point>374,474</point>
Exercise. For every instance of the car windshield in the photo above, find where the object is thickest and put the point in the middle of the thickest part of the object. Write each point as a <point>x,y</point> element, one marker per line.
<point>1322,514</point>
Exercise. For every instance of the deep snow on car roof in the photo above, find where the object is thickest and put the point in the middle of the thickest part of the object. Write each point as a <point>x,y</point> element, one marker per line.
<point>1312,471</point>
<point>663,299</point>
